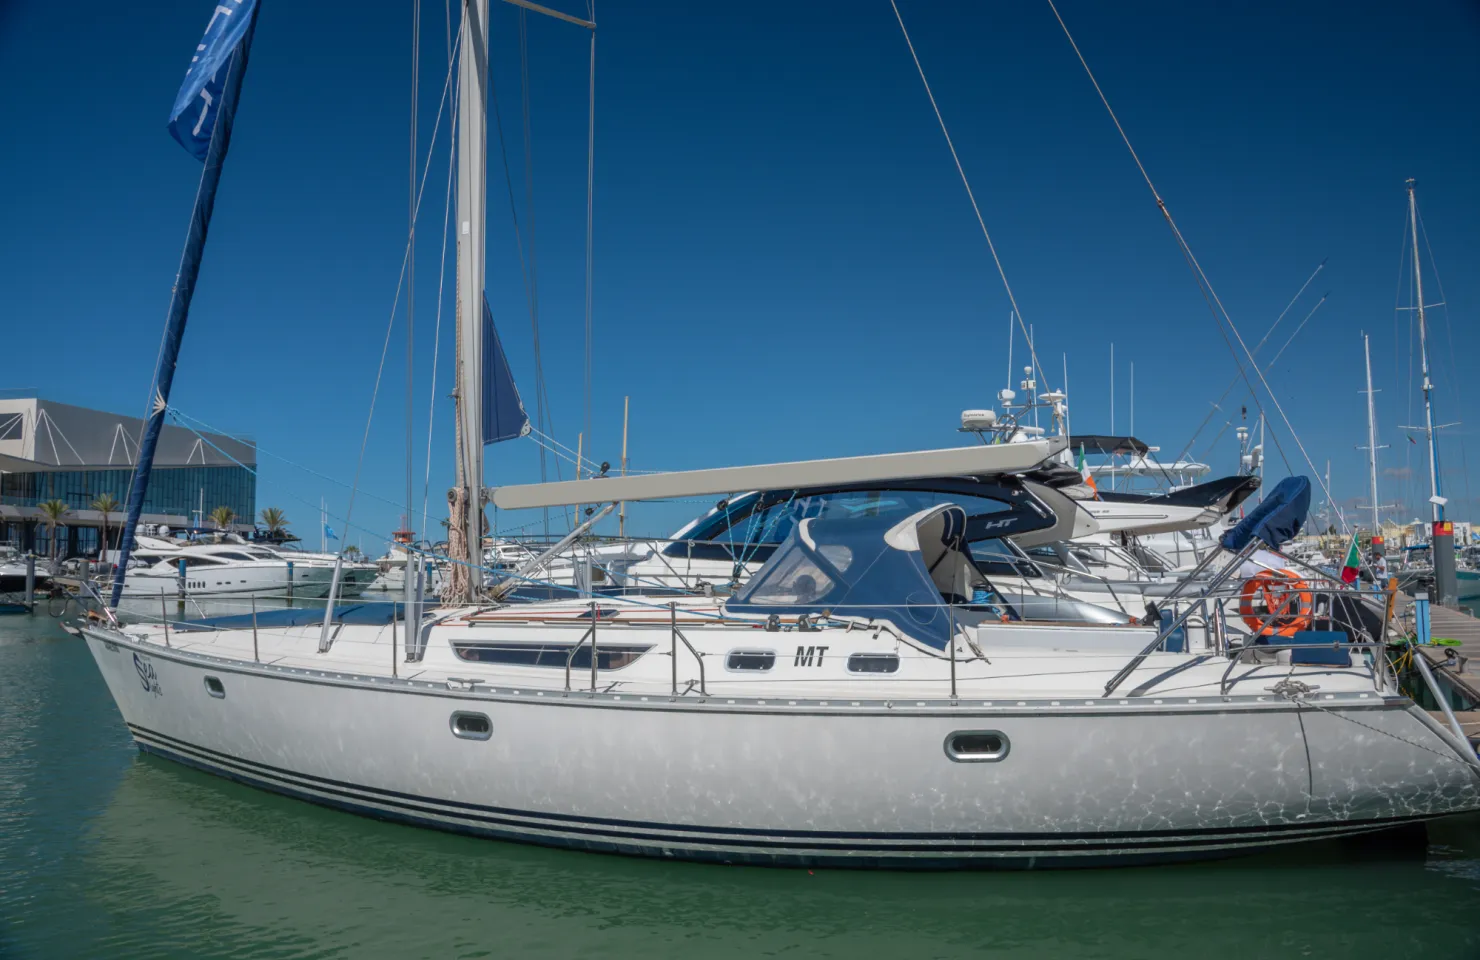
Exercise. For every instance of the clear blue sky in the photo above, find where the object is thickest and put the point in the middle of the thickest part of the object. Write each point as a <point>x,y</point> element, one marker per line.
<point>786,263</point>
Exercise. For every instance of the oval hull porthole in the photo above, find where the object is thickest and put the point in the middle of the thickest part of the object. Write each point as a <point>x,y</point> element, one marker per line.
<point>215,688</point>
<point>977,746</point>
<point>471,726</point>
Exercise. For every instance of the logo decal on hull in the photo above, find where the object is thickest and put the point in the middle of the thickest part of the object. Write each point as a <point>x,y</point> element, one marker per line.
<point>147,676</point>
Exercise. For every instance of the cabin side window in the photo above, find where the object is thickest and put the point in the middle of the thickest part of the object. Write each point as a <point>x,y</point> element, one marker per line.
<point>608,656</point>
<point>750,660</point>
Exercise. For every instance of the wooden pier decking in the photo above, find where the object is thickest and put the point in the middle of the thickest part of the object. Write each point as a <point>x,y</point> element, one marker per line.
<point>1457,625</point>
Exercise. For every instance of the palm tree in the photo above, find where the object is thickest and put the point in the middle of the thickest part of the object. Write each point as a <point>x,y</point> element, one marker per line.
<point>52,512</point>
<point>275,521</point>
<point>222,517</point>
<point>105,503</point>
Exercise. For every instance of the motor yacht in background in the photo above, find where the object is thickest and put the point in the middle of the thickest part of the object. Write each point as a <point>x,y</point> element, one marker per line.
<point>236,566</point>
<point>313,572</point>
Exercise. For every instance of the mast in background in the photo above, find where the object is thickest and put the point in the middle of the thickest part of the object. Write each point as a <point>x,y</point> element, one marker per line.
<point>1441,533</point>
<point>1372,446</point>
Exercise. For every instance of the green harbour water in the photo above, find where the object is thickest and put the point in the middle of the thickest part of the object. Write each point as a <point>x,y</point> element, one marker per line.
<point>105,853</point>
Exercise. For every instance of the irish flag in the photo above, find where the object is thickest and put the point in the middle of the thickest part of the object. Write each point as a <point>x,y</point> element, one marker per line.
<point>1352,563</point>
<point>1089,479</point>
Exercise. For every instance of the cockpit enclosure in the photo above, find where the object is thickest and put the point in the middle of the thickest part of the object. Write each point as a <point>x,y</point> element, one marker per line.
<point>905,572</point>
<point>748,528</point>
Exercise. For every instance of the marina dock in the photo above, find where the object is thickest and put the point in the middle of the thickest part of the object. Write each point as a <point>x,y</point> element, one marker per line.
<point>1457,625</point>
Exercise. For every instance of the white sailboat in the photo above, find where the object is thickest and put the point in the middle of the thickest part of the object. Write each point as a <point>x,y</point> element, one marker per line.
<point>865,699</point>
<point>853,705</point>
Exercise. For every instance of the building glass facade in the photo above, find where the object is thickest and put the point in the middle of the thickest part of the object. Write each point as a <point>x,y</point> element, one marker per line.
<point>172,490</point>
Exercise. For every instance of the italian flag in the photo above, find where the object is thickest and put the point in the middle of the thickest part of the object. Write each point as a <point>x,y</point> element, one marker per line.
<point>1352,563</point>
<point>1089,479</point>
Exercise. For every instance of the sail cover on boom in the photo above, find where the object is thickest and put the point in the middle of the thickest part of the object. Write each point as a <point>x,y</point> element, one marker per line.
<point>503,412</point>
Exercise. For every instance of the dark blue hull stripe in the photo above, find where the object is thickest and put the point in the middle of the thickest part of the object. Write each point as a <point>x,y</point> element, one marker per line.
<point>680,839</point>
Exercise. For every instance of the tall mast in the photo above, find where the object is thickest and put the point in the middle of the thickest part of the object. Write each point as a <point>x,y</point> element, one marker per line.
<point>472,82</point>
<point>1423,348</point>
<point>1371,437</point>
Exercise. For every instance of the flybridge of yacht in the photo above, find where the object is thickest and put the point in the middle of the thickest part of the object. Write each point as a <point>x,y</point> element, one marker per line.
<point>955,462</point>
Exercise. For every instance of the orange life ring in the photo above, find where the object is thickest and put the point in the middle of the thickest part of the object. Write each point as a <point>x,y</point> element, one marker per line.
<point>1276,603</point>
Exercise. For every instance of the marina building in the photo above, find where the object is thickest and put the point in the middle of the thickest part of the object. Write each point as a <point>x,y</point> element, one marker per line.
<point>56,451</point>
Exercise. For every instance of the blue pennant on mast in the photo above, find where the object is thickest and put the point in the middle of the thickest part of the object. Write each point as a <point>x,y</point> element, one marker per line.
<point>503,412</point>
<point>198,104</point>
<point>201,120</point>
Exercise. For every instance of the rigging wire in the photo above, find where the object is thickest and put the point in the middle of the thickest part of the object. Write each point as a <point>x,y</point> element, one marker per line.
<point>396,302</point>
<point>185,420</point>
<point>1234,382</point>
<point>1210,295</point>
<point>1280,352</point>
<point>541,393</point>
<point>542,397</point>
<point>1032,348</point>
<point>441,294</point>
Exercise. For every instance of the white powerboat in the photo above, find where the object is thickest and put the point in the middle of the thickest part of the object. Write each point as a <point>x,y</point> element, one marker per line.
<point>312,572</point>
<point>236,567</point>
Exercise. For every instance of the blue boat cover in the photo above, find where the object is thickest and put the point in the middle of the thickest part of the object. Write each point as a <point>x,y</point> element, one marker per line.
<point>503,412</point>
<point>1277,520</point>
<point>878,568</point>
<point>364,614</point>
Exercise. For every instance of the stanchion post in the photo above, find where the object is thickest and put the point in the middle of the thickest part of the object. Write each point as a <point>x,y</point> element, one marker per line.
<point>593,648</point>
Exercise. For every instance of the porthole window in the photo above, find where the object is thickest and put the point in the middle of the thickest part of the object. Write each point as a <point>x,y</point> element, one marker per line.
<point>873,663</point>
<point>472,726</point>
<point>215,688</point>
<point>750,660</point>
<point>977,746</point>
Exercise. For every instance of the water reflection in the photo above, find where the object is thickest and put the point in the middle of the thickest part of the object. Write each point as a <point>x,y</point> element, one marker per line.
<point>253,874</point>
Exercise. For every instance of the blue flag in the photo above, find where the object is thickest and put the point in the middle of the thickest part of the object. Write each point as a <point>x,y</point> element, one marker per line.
<point>193,119</point>
<point>329,532</point>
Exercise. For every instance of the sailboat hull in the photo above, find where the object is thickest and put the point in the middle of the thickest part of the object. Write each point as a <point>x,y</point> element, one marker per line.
<point>781,785</point>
